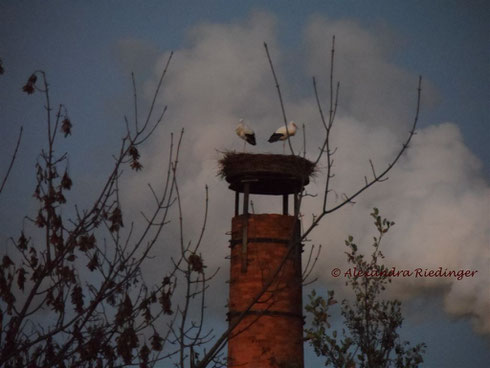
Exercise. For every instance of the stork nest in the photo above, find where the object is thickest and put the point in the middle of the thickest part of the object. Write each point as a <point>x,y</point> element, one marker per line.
<point>284,170</point>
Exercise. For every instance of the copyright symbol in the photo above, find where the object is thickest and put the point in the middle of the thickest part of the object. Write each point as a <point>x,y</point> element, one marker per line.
<point>335,272</point>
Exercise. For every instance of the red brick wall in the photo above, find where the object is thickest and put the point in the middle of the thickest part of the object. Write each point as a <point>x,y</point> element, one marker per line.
<point>271,334</point>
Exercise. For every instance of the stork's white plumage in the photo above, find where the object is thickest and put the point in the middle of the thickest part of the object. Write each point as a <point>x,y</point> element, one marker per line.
<point>282,133</point>
<point>245,133</point>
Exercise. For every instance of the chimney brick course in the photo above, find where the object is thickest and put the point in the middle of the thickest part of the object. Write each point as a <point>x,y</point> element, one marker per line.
<point>271,334</point>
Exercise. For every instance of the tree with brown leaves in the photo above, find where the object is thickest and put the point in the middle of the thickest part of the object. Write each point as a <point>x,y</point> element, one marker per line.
<point>72,291</point>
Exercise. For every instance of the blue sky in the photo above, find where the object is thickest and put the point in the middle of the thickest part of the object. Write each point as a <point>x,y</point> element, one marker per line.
<point>89,48</point>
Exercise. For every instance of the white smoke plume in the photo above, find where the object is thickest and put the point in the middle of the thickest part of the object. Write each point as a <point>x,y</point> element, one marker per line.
<point>436,194</point>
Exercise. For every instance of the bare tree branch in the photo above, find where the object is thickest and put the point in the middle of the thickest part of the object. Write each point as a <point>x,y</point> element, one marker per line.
<point>280,97</point>
<point>12,160</point>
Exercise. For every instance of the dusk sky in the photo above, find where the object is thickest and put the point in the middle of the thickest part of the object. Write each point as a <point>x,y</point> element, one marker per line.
<point>438,194</point>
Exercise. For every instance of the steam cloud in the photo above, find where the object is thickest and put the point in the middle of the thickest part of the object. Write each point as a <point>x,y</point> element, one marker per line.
<point>436,194</point>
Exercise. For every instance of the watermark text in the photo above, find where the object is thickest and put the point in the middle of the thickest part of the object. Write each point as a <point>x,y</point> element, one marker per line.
<point>417,273</point>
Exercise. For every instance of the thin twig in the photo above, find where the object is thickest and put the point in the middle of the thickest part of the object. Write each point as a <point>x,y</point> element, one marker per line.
<point>135,97</point>
<point>12,160</point>
<point>280,97</point>
<point>304,141</point>
<point>378,177</point>
<point>157,91</point>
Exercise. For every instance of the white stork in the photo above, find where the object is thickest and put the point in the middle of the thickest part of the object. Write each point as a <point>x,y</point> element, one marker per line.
<point>245,133</point>
<point>282,134</point>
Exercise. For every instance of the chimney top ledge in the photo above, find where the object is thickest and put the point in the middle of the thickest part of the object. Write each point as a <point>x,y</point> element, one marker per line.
<point>267,174</point>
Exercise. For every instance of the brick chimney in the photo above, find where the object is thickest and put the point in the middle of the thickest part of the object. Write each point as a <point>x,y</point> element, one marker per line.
<point>265,250</point>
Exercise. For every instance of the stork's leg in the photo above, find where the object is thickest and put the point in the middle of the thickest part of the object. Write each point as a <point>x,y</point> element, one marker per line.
<point>283,147</point>
<point>244,146</point>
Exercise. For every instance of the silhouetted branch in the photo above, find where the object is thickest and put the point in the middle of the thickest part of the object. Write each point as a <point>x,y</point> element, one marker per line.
<point>377,177</point>
<point>12,160</point>
<point>280,97</point>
